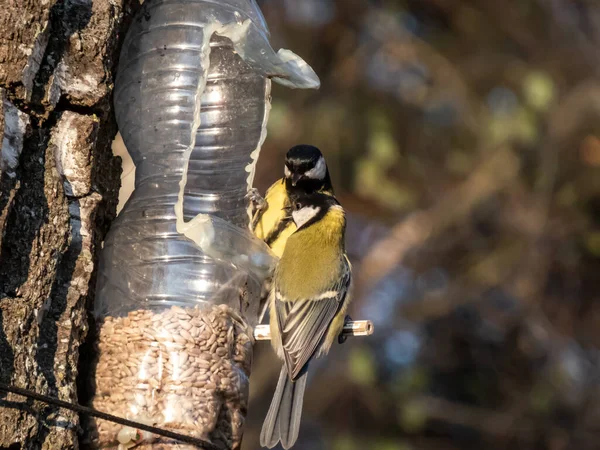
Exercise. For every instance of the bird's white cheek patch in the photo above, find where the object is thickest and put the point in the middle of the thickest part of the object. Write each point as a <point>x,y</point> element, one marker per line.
<point>303,215</point>
<point>287,172</point>
<point>318,172</point>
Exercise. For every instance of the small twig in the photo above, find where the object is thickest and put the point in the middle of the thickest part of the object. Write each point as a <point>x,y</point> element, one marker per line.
<point>351,328</point>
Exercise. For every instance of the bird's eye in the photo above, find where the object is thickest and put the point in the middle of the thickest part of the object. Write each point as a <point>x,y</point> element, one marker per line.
<point>298,206</point>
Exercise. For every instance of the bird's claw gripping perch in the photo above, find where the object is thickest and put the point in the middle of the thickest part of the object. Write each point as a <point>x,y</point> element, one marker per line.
<point>256,200</point>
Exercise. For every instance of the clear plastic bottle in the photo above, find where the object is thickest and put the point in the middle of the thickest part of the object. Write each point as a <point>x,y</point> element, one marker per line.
<point>180,274</point>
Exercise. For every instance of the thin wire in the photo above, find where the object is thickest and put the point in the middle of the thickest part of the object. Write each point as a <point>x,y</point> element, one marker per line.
<point>105,416</point>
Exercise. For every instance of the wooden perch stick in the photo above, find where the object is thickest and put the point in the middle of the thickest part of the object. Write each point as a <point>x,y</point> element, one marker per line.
<point>351,328</point>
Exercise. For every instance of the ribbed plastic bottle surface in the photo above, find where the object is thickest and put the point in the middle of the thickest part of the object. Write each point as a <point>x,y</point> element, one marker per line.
<point>161,265</point>
<point>167,83</point>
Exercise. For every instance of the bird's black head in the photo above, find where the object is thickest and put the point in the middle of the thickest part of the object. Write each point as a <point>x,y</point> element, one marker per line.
<point>306,170</point>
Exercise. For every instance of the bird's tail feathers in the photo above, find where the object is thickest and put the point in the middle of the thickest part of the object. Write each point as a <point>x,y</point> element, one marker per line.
<point>283,419</point>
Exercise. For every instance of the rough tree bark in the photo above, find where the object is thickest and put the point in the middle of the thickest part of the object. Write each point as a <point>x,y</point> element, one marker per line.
<point>58,191</point>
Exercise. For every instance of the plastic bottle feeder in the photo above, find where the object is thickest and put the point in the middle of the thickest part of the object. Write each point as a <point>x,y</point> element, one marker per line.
<point>180,275</point>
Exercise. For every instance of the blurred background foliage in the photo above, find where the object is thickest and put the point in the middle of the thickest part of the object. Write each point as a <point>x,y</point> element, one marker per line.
<point>463,138</point>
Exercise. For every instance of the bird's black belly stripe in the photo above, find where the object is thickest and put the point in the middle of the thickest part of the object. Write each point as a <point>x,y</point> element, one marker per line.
<point>276,232</point>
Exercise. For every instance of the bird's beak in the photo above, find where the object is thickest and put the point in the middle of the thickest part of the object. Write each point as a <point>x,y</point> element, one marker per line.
<point>295,178</point>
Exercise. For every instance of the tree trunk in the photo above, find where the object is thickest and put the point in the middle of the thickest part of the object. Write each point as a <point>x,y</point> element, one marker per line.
<point>58,192</point>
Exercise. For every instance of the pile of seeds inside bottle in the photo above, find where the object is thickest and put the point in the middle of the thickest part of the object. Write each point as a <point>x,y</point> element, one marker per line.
<point>182,369</point>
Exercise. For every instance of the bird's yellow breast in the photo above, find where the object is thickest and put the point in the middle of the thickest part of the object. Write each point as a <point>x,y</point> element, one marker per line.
<point>271,218</point>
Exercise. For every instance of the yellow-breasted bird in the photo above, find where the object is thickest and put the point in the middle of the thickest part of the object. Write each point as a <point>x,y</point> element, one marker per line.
<point>305,172</point>
<point>309,297</point>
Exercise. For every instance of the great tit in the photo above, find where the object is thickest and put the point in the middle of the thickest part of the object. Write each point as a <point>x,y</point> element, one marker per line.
<point>305,171</point>
<point>309,297</point>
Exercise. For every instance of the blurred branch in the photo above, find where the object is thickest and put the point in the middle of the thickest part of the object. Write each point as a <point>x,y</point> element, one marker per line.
<point>492,175</point>
<point>498,424</point>
<point>488,272</point>
<point>509,425</point>
<point>579,21</point>
<point>578,105</point>
<point>449,82</point>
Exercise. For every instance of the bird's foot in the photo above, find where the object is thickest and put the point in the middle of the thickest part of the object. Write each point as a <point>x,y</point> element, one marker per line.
<point>342,338</point>
<point>256,200</point>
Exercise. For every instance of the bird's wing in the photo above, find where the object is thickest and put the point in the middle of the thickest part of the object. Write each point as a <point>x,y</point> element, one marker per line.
<point>304,323</point>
